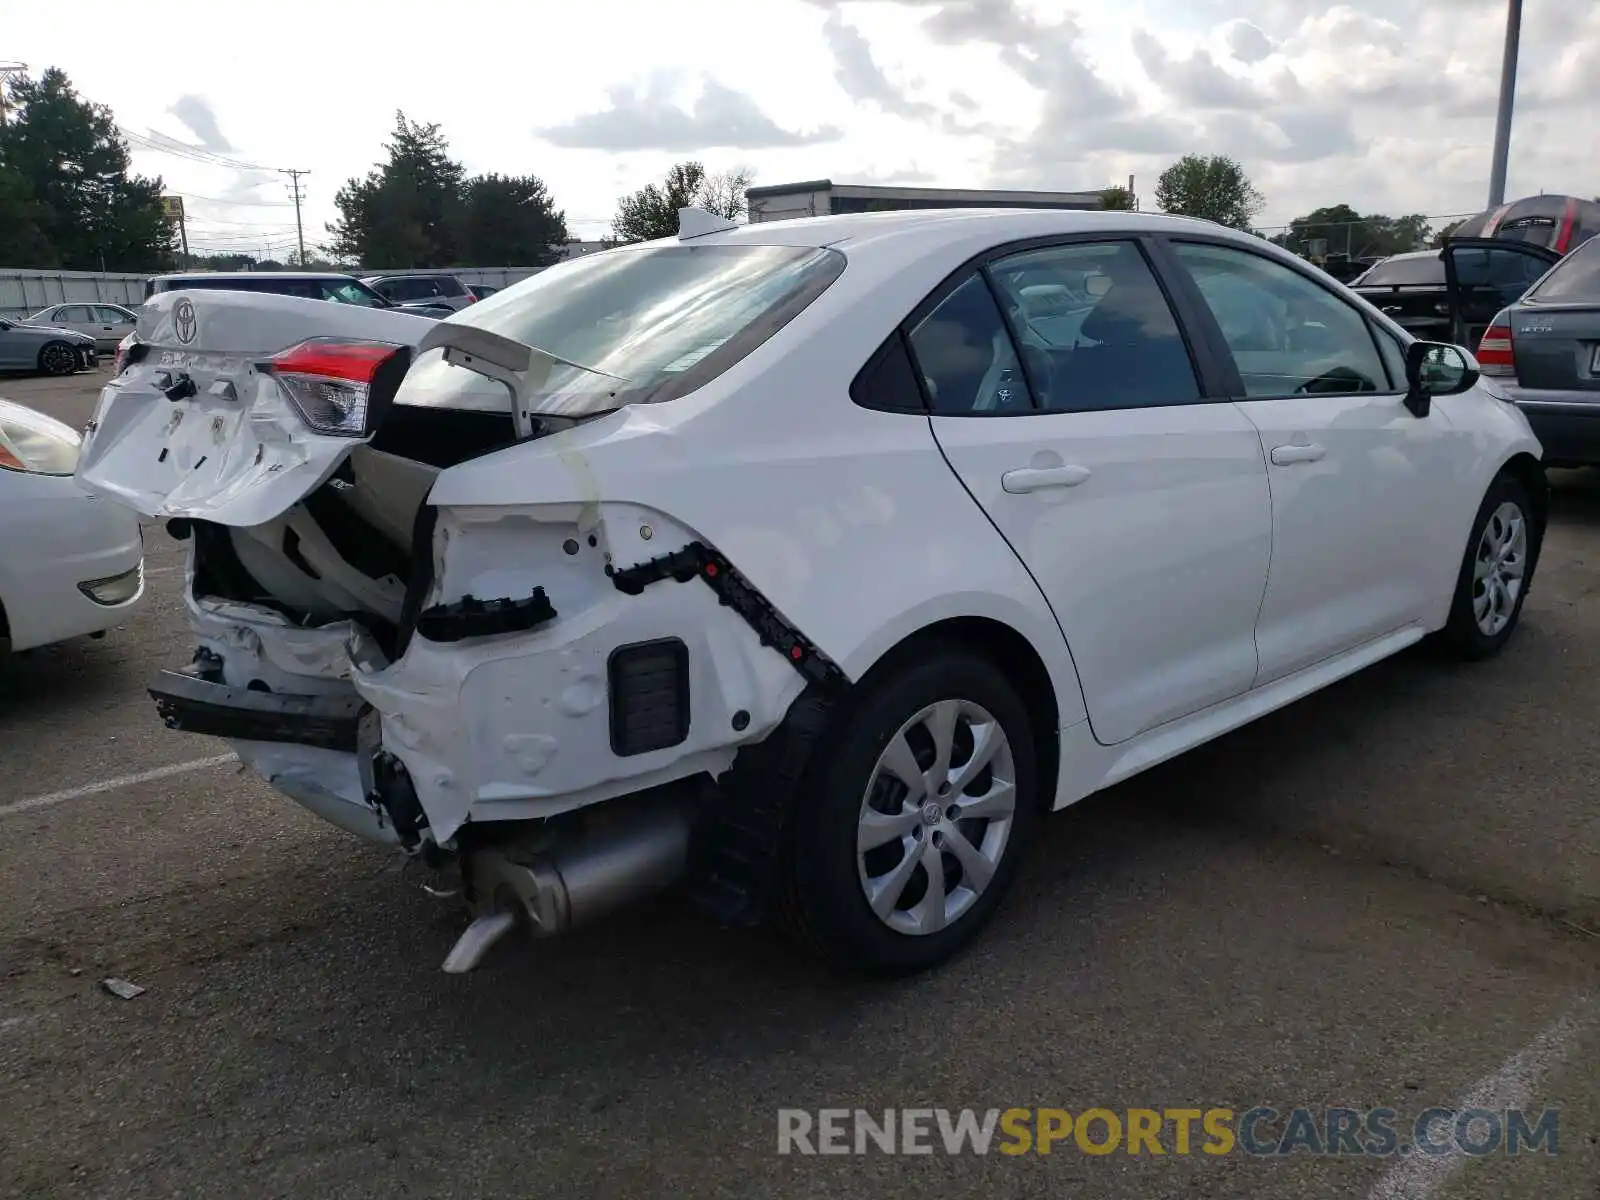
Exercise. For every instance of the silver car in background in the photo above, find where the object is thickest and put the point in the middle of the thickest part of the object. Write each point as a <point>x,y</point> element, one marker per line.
<point>107,324</point>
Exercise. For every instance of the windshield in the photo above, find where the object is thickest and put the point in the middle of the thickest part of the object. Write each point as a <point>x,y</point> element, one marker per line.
<point>632,326</point>
<point>352,292</point>
<point>1405,272</point>
<point>1576,277</point>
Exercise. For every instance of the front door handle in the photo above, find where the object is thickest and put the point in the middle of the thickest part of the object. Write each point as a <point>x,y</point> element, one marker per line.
<point>1034,479</point>
<point>1284,455</point>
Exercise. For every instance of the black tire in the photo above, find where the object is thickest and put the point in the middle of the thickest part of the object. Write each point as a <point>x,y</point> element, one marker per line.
<point>1463,635</point>
<point>57,358</point>
<point>821,900</point>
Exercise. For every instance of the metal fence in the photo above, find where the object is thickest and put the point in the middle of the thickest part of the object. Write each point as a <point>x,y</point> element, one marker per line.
<point>23,293</point>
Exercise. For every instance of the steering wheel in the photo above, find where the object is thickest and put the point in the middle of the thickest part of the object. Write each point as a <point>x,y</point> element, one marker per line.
<point>1335,380</point>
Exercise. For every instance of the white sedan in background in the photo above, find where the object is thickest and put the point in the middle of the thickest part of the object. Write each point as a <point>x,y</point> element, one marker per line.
<point>107,324</point>
<point>70,563</point>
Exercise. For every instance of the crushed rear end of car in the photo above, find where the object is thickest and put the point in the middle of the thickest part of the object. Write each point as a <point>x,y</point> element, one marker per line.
<point>386,631</point>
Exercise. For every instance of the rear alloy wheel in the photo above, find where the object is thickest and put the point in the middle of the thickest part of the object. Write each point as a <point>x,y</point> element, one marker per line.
<point>911,828</point>
<point>57,358</point>
<point>1495,572</point>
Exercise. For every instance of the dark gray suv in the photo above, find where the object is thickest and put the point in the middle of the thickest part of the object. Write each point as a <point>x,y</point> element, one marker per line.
<point>435,289</point>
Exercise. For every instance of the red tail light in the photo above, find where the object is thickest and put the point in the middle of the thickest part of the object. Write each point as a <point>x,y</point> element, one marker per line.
<point>331,358</point>
<point>336,383</point>
<point>1497,354</point>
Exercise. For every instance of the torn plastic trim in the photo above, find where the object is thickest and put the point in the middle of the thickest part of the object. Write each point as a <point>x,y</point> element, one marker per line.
<point>733,590</point>
<point>470,617</point>
<point>193,704</point>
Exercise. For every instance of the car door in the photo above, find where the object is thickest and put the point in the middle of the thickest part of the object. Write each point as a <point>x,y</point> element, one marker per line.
<point>1359,483</point>
<point>1483,276</point>
<point>111,326</point>
<point>1137,500</point>
<point>76,317</point>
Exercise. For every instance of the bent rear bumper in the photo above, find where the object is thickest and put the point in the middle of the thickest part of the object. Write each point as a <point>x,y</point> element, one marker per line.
<point>192,704</point>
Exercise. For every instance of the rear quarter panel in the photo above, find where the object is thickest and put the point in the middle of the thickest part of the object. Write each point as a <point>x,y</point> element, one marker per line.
<point>849,521</point>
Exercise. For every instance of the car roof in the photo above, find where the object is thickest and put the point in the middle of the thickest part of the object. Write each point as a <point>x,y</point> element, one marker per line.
<point>1407,255</point>
<point>425,272</point>
<point>900,239</point>
<point>1003,224</point>
<point>252,275</point>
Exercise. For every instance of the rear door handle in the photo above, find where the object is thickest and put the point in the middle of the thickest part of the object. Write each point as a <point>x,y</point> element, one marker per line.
<point>1034,479</point>
<point>1284,455</point>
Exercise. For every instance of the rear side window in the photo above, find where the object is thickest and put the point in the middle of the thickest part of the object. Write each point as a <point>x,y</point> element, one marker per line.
<point>1095,329</point>
<point>403,291</point>
<point>1574,278</point>
<point>1406,272</point>
<point>450,286</point>
<point>965,357</point>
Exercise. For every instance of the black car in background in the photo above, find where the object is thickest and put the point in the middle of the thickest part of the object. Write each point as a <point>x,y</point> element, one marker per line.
<point>1451,295</point>
<point>1489,261</point>
<point>1543,353</point>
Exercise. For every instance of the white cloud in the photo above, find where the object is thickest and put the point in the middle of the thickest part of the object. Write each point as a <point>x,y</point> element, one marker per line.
<point>1387,105</point>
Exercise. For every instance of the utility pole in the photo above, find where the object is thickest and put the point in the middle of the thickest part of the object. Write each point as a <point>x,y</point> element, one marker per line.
<point>299,233</point>
<point>1508,90</point>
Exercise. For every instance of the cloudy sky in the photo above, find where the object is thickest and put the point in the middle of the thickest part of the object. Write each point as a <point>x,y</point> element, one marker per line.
<point>1387,105</point>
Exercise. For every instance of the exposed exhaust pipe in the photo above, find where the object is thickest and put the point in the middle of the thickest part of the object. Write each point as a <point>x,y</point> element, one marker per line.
<point>622,851</point>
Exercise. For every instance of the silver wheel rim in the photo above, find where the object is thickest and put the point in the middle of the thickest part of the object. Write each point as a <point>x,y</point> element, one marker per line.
<point>1498,568</point>
<point>57,359</point>
<point>936,817</point>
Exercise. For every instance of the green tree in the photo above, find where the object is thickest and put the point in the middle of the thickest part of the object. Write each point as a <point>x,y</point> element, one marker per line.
<point>22,240</point>
<point>1119,199</point>
<point>1342,230</point>
<point>1214,188</point>
<point>652,211</point>
<point>66,197</point>
<point>1445,231</point>
<point>406,212</point>
<point>510,220</point>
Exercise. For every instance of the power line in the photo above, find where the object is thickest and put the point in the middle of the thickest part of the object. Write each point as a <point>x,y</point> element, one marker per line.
<point>166,145</point>
<point>235,203</point>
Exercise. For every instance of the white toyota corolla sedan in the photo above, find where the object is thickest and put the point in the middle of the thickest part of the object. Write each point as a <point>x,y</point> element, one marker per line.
<point>71,563</point>
<point>810,562</point>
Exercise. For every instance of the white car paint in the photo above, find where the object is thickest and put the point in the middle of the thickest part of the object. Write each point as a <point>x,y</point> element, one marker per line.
<point>1178,576</point>
<point>55,535</point>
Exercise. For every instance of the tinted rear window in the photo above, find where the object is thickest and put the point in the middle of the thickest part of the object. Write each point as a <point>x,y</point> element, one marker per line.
<point>1575,278</point>
<point>1405,272</point>
<point>634,325</point>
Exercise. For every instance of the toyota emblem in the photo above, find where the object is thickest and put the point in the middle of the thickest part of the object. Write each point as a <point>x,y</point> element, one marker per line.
<point>185,322</point>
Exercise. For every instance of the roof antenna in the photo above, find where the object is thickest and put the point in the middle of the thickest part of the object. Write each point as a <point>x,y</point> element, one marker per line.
<point>697,222</point>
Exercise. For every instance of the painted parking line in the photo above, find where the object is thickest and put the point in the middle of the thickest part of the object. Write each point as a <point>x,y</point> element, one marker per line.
<point>110,785</point>
<point>1512,1086</point>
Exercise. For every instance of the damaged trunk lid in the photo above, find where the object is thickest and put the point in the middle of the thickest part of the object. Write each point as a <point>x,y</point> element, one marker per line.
<point>234,406</point>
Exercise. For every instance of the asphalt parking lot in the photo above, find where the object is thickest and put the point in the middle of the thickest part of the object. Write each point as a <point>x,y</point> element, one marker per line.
<point>1385,896</point>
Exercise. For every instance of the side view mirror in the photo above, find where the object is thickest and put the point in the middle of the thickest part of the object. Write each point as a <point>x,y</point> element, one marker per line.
<point>1436,369</point>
